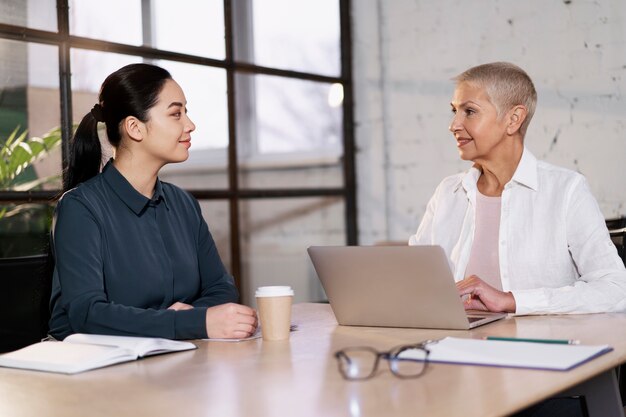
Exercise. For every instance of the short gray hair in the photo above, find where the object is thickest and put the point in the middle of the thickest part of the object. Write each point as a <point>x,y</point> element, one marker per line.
<point>507,86</point>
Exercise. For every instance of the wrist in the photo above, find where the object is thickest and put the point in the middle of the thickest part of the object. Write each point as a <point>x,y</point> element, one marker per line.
<point>511,305</point>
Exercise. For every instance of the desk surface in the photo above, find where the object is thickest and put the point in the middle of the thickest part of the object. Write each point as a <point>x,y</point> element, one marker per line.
<point>300,377</point>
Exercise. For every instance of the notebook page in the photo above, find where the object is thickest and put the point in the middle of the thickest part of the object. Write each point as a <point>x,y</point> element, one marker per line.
<point>511,354</point>
<point>142,346</point>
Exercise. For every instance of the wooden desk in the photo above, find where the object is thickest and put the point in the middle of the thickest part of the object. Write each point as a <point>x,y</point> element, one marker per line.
<point>300,377</point>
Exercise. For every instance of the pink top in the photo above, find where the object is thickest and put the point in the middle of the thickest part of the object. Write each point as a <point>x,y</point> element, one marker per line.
<point>484,260</point>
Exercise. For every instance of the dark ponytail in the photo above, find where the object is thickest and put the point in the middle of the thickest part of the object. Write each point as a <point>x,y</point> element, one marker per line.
<point>85,153</point>
<point>130,91</point>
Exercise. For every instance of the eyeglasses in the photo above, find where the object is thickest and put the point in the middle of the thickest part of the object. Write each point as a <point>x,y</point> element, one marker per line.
<point>360,363</point>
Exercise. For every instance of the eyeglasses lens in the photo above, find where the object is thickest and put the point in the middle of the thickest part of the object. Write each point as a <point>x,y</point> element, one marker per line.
<point>408,362</point>
<point>357,363</point>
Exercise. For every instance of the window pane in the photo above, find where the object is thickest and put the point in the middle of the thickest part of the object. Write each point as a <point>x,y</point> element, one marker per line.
<point>274,236</point>
<point>194,27</point>
<point>92,19</point>
<point>288,115</point>
<point>44,110</point>
<point>35,14</point>
<point>14,84</point>
<point>289,135</point>
<point>216,214</point>
<point>200,30</point>
<point>89,69</point>
<point>307,31</point>
<point>29,102</point>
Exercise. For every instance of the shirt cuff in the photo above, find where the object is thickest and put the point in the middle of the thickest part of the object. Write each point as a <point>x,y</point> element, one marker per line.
<point>529,301</point>
<point>190,324</point>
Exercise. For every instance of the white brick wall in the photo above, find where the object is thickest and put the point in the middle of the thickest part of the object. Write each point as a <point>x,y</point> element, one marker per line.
<point>405,53</point>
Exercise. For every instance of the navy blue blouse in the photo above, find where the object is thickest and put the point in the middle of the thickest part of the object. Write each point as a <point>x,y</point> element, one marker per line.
<point>122,259</point>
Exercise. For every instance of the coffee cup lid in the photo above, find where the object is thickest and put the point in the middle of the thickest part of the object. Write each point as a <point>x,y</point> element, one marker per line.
<point>274,291</point>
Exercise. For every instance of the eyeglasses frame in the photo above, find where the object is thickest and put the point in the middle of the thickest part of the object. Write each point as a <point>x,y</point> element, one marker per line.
<point>390,355</point>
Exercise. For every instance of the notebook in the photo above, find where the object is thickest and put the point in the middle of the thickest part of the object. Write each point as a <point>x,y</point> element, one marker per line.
<point>544,356</point>
<point>393,286</point>
<point>83,352</point>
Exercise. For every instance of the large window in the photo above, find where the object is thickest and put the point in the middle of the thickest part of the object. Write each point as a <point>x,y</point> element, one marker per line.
<point>268,84</point>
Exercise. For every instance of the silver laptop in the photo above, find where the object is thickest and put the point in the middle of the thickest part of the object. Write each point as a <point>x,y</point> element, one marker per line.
<point>393,286</point>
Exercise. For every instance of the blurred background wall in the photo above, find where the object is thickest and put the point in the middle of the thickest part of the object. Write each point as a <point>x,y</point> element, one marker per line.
<point>406,52</point>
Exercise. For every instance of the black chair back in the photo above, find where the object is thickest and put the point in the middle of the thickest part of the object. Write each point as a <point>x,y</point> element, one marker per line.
<point>617,236</point>
<point>617,230</point>
<point>25,286</point>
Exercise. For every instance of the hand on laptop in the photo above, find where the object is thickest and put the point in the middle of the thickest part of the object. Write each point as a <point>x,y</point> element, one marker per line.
<point>482,296</point>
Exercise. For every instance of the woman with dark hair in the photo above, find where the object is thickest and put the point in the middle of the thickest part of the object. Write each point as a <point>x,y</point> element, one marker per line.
<point>133,254</point>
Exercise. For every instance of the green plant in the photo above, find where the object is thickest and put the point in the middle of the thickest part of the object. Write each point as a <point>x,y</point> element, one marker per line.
<point>18,153</point>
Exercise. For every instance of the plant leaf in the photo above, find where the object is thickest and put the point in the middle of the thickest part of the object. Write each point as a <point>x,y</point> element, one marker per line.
<point>4,173</point>
<point>17,141</point>
<point>18,152</point>
<point>21,157</point>
<point>37,146</point>
<point>11,137</point>
<point>52,138</point>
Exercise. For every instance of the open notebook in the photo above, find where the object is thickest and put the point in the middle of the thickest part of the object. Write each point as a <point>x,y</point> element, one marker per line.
<point>82,352</point>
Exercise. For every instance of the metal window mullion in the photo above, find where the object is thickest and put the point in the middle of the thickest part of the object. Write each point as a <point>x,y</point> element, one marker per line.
<point>233,177</point>
<point>65,84</point>
<point>43,196</point>
<point>349,168</point>
<point>25,34</point>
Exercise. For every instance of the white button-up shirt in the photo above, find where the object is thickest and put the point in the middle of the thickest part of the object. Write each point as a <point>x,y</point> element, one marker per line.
<point>555,252</point>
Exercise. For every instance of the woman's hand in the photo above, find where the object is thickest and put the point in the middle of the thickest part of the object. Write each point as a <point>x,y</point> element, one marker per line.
<point>230,321</point>
<point>178,306</point>
<point>482,296</point>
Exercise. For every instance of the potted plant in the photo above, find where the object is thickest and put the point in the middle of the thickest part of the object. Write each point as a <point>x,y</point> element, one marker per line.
<point>24,227</point>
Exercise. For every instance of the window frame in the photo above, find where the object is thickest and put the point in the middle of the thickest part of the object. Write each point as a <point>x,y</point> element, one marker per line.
<point>233,193</point>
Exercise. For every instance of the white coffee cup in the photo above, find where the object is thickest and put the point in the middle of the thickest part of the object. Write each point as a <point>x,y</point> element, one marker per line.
<point>274,305</point>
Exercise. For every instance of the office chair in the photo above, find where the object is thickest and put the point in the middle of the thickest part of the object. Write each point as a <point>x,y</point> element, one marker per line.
<point>617,236</point>
<point>25,286</point>
<point>617,231</point>
<point>577,405</point>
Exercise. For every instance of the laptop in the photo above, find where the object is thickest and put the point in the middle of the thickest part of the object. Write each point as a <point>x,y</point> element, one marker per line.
<point>393,286</point>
